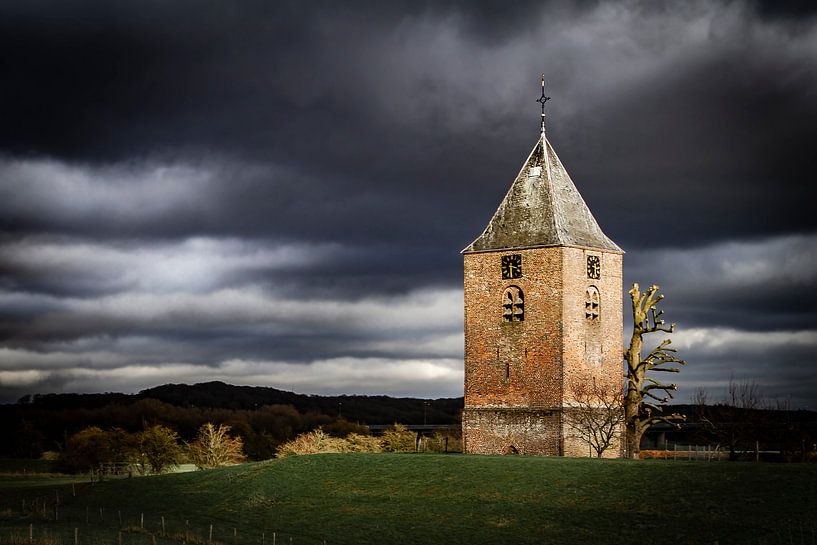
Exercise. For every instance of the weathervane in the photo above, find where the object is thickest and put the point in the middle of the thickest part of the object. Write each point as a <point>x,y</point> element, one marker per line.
<point>542,99</point>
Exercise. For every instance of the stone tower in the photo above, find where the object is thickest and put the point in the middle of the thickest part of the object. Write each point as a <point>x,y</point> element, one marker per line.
<point>542,313</point>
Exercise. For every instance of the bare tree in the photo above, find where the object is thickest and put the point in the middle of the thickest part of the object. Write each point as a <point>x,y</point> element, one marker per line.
<point>645,394</point>
<point>597,414</point>
<point>736,421</point>
<point>700,398</point>
<point>745,395</point>
<point>214,447</point>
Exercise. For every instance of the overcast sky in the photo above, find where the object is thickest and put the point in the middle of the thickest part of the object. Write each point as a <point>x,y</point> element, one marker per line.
<point>272,193</point>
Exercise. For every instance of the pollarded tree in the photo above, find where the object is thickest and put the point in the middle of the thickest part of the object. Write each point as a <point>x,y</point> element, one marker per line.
<point>214,447</point>
<point>645,394</point>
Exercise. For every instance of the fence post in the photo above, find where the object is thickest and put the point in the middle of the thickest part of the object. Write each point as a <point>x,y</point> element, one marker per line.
<point>76,536</point>
<point>210,540</point>
<point>163,525</point>
<point>31,533</point>
<point>142,520</point>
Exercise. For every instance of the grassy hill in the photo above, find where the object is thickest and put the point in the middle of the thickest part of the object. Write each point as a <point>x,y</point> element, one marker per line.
<point>438,499</point>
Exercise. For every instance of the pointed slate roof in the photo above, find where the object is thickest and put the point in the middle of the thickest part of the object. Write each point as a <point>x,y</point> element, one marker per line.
<point>542,208</point>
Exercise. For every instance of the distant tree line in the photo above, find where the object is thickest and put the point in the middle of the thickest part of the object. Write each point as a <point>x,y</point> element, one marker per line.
<point>744,420</point>
<point>218,395</point>
<point>263,418</point>
<point>151,450</point>
<point>742,428</point>
<point>46,423</point>
<point>155,449</point>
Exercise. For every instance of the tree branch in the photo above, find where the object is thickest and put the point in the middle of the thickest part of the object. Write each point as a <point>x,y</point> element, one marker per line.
<point>645,394</point>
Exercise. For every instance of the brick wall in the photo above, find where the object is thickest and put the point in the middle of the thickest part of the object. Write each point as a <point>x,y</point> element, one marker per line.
<point>603,337</point>
<point>511,431</point>
<point>518,374</point>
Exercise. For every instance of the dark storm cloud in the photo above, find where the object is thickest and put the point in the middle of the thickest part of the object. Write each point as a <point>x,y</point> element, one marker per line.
<point>754,286</point>
<point>712,160</point>
<point>743,310</point>
<point>275,193</point>
<point>355,106</point>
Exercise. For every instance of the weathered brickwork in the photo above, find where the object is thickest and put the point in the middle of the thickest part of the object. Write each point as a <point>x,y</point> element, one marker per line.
<point>518,374</point>
<point>513,364</point>
<point>592,348</point>
<point>512,431</point>
<point>530,339</point>
<point>574,446</point>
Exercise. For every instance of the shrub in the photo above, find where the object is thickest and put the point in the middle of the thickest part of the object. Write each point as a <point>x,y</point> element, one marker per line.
<point>318,442</point>
<point>313,442</point>
<point>156,449</point>
<point>399,439</point>
<point>86,450</point>
<point>214,447</point>
<point>364,443</point>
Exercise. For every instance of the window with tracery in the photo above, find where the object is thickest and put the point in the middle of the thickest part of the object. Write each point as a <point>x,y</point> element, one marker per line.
<point>513,305</point>
<point>592,301</point>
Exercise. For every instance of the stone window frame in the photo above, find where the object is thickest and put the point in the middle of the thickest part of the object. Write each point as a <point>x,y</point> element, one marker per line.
<point>513,304</point>
<point>592,304</point>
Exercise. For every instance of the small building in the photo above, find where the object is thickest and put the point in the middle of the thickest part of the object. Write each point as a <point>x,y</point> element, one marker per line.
<point>543,296</point>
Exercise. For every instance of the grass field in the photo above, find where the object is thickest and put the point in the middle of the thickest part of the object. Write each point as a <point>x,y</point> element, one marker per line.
<point>433,499</point>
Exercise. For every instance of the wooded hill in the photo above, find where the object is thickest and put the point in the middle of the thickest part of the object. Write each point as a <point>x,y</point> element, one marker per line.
<point>218,395</point>
<point>264,417</point>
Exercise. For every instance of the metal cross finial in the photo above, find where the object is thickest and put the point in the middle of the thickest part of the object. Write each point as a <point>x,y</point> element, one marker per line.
<point>542,99</point>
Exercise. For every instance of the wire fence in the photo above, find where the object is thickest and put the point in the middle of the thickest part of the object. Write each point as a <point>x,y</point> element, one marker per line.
<point>48,521</point>
<point>677,451</point>
<point>708,453</point>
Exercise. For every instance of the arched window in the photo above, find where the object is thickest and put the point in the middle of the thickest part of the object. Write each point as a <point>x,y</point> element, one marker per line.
<point>513,305</point>
<point>592,302</point>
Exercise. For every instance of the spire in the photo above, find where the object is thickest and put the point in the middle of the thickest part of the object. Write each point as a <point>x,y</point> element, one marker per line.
<point>542,99</point>
<point>542,138</point>
<point>542,207</point>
